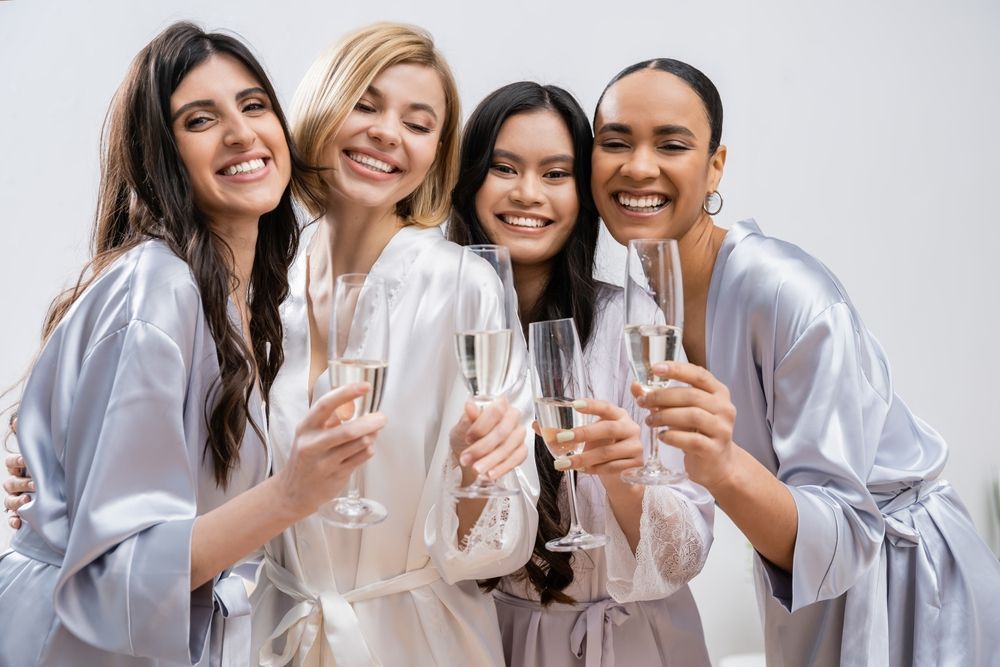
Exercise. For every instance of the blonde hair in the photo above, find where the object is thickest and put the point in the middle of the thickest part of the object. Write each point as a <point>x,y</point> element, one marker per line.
<point>335,83</point>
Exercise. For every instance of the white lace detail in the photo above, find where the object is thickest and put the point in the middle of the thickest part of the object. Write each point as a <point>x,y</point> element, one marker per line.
<point>488,532</point>
<point>670,552</point>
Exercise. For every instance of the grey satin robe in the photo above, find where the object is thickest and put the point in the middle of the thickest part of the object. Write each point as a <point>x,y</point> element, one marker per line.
<point>888,568</point>
<point>112,426</point>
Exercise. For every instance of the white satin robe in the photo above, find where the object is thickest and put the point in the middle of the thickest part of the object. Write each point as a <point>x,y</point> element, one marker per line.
<point>888,568</point>
<point>631,608</point>
<point>402,592</point>
<point>112,426</point>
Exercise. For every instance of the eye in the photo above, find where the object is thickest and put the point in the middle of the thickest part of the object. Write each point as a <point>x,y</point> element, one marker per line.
<point>501,168</point>
<point>674,147</point>
<point>254,106</point>
<point>557,174</point>
<point>613,145</point>
<point>364,107</point>
<point>198,122</point>
<point>417,127</point>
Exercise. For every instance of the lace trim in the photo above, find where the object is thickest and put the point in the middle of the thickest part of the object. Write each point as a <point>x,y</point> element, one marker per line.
<point>488,532</point>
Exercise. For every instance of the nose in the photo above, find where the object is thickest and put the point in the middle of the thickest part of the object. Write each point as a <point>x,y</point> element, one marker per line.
<point>526,192</point>
<point>640,165</point>
<point>385,130</point>
<point>240,133</point>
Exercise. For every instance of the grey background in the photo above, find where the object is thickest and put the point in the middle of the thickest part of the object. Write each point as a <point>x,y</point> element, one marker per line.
<point>864,132</point>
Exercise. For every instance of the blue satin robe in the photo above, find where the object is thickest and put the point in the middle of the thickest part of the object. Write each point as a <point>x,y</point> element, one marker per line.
<point>112,426</point>
<point>888,567</point>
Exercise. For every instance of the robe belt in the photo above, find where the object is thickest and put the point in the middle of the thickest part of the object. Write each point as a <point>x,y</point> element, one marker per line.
<point>594,623</point>
<point>331,613</point>
<point>897,532</point>
<point>230,598</point>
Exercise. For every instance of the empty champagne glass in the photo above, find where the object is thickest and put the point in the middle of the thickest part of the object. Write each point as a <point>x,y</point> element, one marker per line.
<point>558,380</point>
<point>358,352</point>
<point>654,323</point>
<point>485,315</point>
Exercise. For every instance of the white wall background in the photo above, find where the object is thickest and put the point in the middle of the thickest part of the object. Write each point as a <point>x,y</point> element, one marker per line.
<point>864,132</point>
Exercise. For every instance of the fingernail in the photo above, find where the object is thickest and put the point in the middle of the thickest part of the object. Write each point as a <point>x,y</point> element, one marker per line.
<point>479,468</point>
<point>579,404</point>
<point>661,367</point>
<point>562,463</point>
<point>641,401</point>
<point>565,436</point>
<point>12,523</point>
<point>464,460</point>
<point>31,486</point>
<point>20,460</point>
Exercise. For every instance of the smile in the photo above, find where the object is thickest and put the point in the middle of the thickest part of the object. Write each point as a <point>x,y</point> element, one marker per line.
<point>372,163</point>
<point>524,221</point>
<point>247,167</point>
<point>641,203</point>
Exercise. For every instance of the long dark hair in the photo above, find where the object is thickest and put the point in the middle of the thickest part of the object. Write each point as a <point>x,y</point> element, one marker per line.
<point>693,77</point>
<point>145,193</point>
<point>571,290</point>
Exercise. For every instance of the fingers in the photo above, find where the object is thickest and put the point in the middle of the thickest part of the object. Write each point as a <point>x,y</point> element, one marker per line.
<point>344,434</point>
<point>612,458</point>
<point>506,457</point>
<point>15,465</point>
<point>14,522</point>
<point>688,419</point>
<point>600,409</point>
<point>324,410</point>
<point>673,397</point>
<point>602,432</point>
<point>696,376</point>
<point>18,485</point>
<point>14,503</point>
<point>480,454</point>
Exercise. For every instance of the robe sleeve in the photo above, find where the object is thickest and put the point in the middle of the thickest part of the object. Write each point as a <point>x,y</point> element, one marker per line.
<point>502,539</point>
<point>824,415</point>
<point>675,528</point>
<point>131,481</point>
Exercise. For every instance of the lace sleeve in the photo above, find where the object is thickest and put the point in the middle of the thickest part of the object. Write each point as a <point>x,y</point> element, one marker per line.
<point>671,549</point>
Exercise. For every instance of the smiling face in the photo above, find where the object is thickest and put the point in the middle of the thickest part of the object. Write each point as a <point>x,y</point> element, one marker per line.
<point>528,200</point>
<point>651,163</point>
<point>230,141</point>
<point>389,141</point>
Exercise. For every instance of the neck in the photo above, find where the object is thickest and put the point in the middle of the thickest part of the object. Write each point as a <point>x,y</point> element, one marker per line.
<point>698,250</point>
<point>241,238</point>
<point>530,281</point>
<point>363,233</point>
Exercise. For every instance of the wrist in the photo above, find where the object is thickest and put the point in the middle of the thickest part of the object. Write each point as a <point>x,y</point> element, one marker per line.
<point>283,505</point>
<point>732,478</point>
<point>620,492</point>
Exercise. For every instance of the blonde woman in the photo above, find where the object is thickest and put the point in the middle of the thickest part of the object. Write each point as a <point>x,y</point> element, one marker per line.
<point>380,113</point>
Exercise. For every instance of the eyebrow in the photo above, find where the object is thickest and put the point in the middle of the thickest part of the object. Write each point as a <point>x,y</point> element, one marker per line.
<point>413,106</point>
<point>500,153</point>
<point>659,130</point>
<point>209,104</point>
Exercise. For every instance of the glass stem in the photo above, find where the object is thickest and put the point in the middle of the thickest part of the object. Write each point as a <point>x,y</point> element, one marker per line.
<point>482,402</point>
<point>353,493</point>
<point>653,449</point>
<point>574,522</point>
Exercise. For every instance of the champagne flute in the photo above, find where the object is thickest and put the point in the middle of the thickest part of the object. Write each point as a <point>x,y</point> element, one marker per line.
<point>485,314</point>
<point>558,380</point>
<point>654,323</point>
<point>358,352</point>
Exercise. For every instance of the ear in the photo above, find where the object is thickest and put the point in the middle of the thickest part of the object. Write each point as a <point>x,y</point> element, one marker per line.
<point>716,165</point>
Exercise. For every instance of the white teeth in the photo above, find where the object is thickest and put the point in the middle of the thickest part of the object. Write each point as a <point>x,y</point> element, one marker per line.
<point>519,221</point>
<point>244,167</point>
<point>371,162</point>
<point>646,202</point>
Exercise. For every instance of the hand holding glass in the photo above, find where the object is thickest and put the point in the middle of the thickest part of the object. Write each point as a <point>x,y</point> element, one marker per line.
<point>558,379</point>
<point>654,323</point>
<point>358,352</point>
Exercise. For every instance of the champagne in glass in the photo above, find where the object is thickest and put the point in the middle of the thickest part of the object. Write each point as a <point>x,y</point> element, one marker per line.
<point>359,352</point>
<point>558,379</point>
<point>654,322</point>
<point>485,314</point>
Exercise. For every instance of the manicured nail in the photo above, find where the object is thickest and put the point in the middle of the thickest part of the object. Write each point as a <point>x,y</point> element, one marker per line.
<point>565,436</point>
<point>579,404</point>
<point>562,463</point>
<point>31,486</point>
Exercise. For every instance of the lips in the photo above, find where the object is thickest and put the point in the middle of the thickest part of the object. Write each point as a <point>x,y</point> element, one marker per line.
<point>372,163</point>
<point>646,202</point>
<point>245,167</point>
<point>529,222</point>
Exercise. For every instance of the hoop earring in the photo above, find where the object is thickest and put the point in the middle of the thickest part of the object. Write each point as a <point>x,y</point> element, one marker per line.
<point>712,200</point>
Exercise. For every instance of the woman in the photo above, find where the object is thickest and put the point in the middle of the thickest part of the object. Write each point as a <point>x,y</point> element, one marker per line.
<point>380,113</point>
<point>143,414</point>
<point>525,184</point>
<point>790,420</point>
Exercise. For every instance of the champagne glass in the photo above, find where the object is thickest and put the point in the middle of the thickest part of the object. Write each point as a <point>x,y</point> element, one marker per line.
<point>558,380</point>
<point>358,352</point>
<point>485,314</point>
<point>654,323</point>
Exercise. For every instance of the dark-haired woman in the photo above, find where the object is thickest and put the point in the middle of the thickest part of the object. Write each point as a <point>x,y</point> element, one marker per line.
<point>142,418</point>
<point>524,183</point>
<point>791,421</point>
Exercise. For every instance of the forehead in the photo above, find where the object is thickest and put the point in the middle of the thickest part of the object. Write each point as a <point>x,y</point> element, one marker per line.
<point>651,98</point>
<point>219,77</point>
<point>412,83</point>
<point>541,132</point>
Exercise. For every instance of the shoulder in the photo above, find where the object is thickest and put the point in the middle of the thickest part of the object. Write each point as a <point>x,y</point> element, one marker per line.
<point>771,274</point>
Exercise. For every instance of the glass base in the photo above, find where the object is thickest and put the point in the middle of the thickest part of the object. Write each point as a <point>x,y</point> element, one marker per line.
<point>652,475</point>
<point>576,541</point>
<point>356,513</point>
<point>484,489</point>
